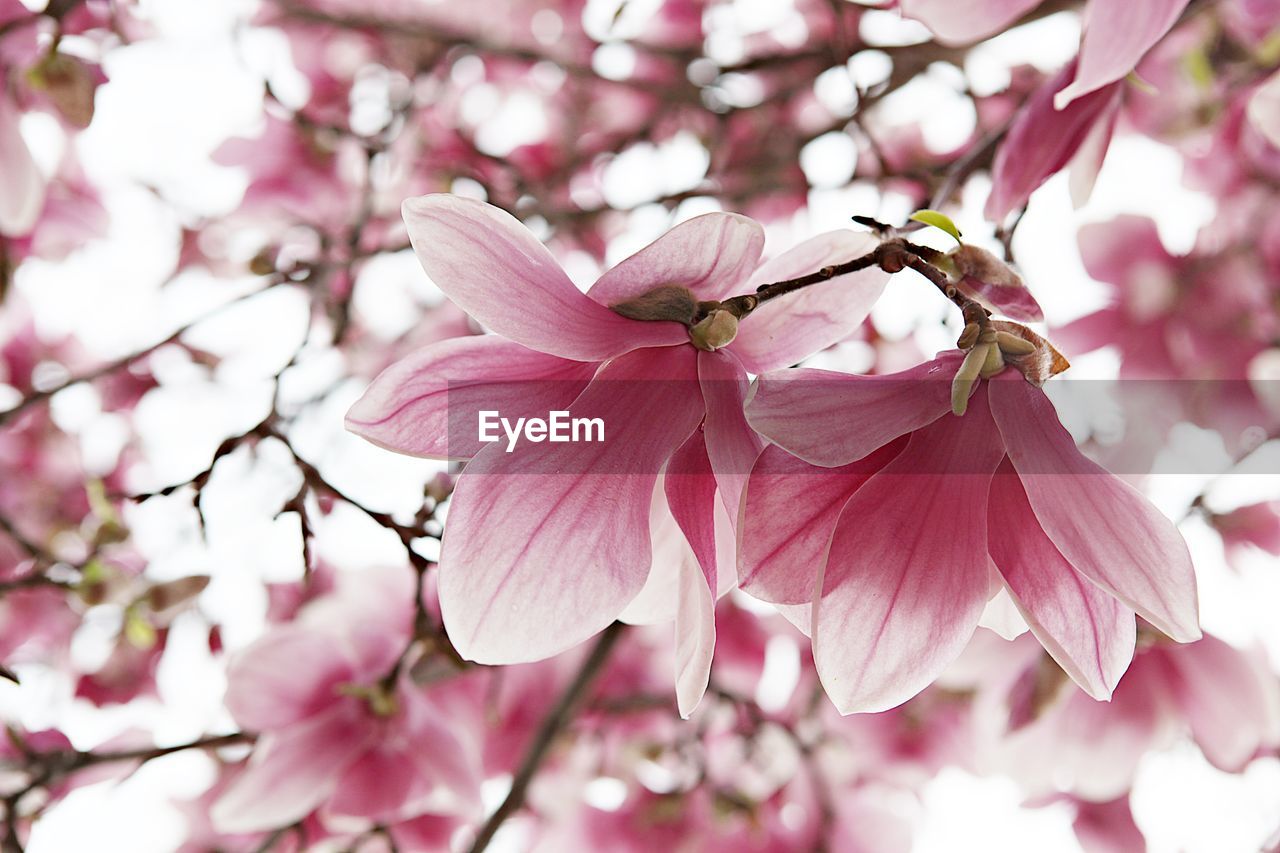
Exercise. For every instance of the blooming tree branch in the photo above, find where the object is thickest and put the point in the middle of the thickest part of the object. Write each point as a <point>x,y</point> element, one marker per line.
<point>791,560</point>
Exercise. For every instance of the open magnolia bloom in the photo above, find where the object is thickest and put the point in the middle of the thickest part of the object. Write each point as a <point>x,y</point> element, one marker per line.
<point>898,520</point>
<point>546,543</point>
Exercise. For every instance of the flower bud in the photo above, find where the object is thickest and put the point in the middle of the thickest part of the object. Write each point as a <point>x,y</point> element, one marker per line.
<point>714,331</point>
<point>668,302</point>
<point>70,85</point>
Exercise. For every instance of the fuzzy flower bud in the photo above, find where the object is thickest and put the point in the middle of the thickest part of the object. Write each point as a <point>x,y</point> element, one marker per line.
<point>714,331</point>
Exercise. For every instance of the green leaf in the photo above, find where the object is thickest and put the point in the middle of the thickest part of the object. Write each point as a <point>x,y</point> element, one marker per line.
<point>938,220</point>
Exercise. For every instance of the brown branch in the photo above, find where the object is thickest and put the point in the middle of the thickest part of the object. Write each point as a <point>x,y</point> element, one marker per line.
<point>123,362</point>
<point>551,727</point>
<point>90,759</point>
<point>893,255</point>
<point>52,766</point>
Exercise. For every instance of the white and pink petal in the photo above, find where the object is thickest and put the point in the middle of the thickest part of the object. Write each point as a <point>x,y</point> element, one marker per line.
<point>1084,629</point>
<point>788,515</point>
<point>785,330</point>
<point>907,574</point>
<point>545,546</point>
<point>710,255</point>
<point>428,403</point>
<point>493,268</point>
<point>829,419</point>
<point>1101,525</point>
<point>1117,34</point>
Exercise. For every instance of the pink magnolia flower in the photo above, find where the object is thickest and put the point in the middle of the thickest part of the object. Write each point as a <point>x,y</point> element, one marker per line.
<point>550,543</point>
<point>299,171</point>
<point>1195,317</point>
<point>1226,699</point>
<point>916,517</point>
<point>332,734</point>
<point>1043,139</point>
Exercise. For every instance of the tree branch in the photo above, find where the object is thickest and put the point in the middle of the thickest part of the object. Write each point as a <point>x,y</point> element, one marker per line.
<point>551,727</point>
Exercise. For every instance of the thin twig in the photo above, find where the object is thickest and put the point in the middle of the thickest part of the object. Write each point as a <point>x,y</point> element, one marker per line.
<point>123,362</point>
<point>551,727</point>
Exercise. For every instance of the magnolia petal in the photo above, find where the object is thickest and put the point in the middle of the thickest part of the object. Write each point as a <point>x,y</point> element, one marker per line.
<point>790,328</point>
<point>397,778</point>
<point>428,403</point>
<point>1083,169</point>
<point>906,576</point>
<point>711,255</point>
<point>655,604</point>
<point>789,511</point>
<point>22,187</point>
<point>1107,827</point>
<point>497,271</point>
<point>1222,695</point>
<point>546,545</point>
<point>1092,748</point>
<point>1001,615</point>
<point>1089,633</point>
<point>378,784</point>
<point>451,766</point>
<point>958,22</point>
<point>799,615</point>
<point>291,772</point>
<point>1117,34</point>
<point>691,492</point>
<point>1117,250</point>
<point>287,675</point>
<point>731,442</point>
<point>1014,302</point>
<point>1041,140</point>
<point>695,638</point>
<point>830,419</point>
<point>373,611</point>
<point>1102,526</point>
<point>690,487</point>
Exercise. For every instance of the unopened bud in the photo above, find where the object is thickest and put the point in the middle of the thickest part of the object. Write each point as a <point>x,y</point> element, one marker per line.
<point>175,593</point>
<point>668,302</point>
<point>69,83</point>
<point>714,331</point>
<point>263,263</point>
